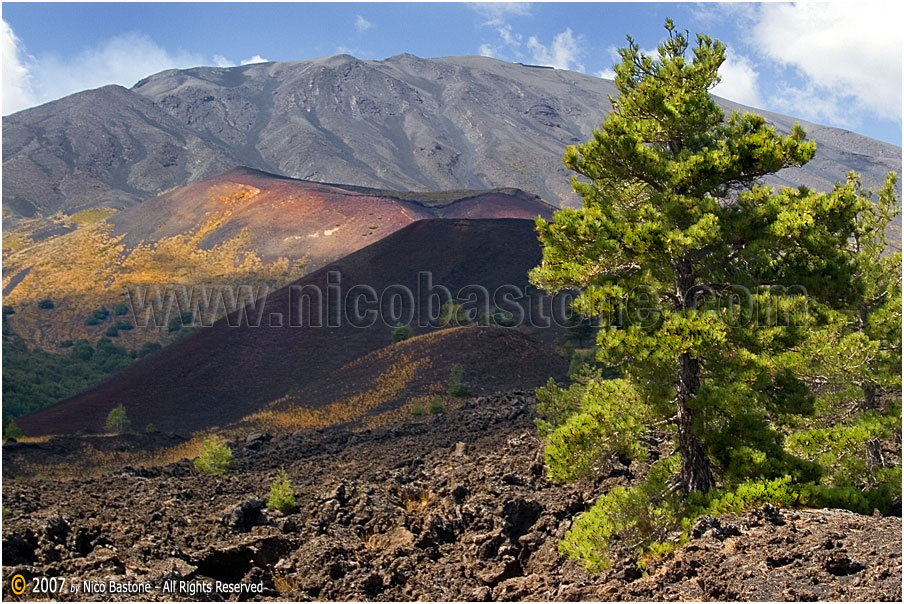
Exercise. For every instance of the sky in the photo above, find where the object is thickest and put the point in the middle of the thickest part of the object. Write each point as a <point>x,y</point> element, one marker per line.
<point>837,64</point>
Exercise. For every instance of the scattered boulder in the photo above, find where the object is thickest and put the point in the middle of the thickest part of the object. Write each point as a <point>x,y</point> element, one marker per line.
<point>242,517</point>
<point>56,530</point>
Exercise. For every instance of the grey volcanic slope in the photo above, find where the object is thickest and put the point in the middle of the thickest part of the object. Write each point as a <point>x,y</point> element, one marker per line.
<point>108,147</point>
<point>403,123</point>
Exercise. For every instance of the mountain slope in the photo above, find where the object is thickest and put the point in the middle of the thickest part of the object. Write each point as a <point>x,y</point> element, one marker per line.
<point>243,227</point>
<point>401,123</point>
<point>107,147</point>
<point>289,218</point>
<point>225,372</point>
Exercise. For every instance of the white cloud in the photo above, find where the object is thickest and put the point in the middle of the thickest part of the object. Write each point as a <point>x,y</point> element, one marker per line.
<point>486,50</point>
<point>508,37</point>
<point>122,60</point>
<point>606,74</point>
<point>221,61</point>
<point>17,89</point>
<point>362,24</point>
<point>847,53</point>
<point>739,80</point>
<point>564,52</point>
<point>496,13</point>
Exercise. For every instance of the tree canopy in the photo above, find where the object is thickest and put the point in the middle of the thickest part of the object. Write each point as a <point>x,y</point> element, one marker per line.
<point>712,290</point>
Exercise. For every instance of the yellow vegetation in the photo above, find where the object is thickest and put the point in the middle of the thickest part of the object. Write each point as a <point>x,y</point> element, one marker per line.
<point>298,418</point>
<point>91,461</point>
<point>90,267</point>
<point>92,215</point>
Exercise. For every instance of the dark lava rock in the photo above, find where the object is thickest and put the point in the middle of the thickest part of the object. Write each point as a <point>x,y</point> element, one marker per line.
<point>56,529</point>
<point>245,515</point>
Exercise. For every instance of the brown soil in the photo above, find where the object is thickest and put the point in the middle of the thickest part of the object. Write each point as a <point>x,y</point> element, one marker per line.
<point>292,218</point>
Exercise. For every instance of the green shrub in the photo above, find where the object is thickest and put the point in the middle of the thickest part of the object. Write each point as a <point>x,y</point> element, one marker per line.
<point>453,314</point>
<point>82,350</point>
<point>650,514</point>
<point>8,310</point>
<point>417,408</point>
<point>176,323</point>
<point>457,384</point>
<point>215,458</point>
<point>436,406</point>
<point>112,331</point>
<point>282,495</point>
<point>496,316</point>
<point>66,344</point>
<point>580,360</point>
<point>12,431</point>
<point>117,420</point>
<point>45,304</point>
<point>147,348</point>
<point>97,316</point>
<point>120,309</point>
<point>401,332</point>
<point>150,428</point>
<point>124,326</point>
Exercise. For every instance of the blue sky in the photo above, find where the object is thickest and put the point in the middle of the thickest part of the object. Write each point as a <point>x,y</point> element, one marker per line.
<point>836,64</point>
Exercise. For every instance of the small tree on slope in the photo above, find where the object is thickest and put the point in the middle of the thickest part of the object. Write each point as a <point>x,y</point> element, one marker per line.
<point>709,286</point>
<point>117,420</point>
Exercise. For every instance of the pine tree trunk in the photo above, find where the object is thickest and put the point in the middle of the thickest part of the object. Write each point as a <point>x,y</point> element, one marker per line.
<point>696,474</point>
<point>870,396</point>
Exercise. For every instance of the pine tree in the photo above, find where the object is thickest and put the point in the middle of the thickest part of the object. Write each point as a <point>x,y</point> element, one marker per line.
<point>400,333</point>
<point>707,283</point>
<point>578,328</point>
<point>117,420</point>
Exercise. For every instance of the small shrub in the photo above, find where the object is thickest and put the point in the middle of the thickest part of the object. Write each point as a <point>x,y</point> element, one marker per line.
<point>66,344</point>
<point>12,431</point>
<point>97,316</point>
<point>117,420</point>
<point>417,408</point>
<point>112,331</point>
<point>124,326</point>
<point>147,348</point>
<point>453,314</point>
<point>401,332</point>
<point>150,428</point>
<point>120,309</point>
<point>176,323</point>
<point>45,304</point>
<point>457,384</point>
<point>436,406</point>
<point>8,310</point>
<point>215,457</point>
<point>282,495</point>
<point>82,350</point>
<point>497,316</point>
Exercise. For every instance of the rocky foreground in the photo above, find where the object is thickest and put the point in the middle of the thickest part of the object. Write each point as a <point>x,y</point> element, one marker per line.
<point>445,507</point>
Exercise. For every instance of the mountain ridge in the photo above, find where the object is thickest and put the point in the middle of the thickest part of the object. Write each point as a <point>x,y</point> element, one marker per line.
<point>403,123</point>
